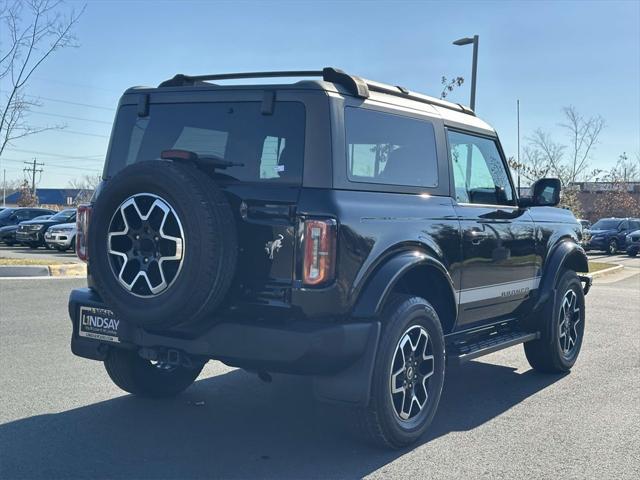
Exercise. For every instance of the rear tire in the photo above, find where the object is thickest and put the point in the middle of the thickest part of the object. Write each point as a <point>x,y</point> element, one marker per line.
<point>401,371</point>
<point>632,253</point>
<point>562,332</point>
<point>138,376</point>
<point>33,246</point>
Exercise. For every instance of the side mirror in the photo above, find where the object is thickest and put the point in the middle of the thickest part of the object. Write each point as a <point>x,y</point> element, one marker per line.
<point>545,193</point>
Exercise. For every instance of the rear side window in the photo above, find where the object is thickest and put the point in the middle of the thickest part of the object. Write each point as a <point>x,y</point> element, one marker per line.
<point>390,149</point>
<point>270,148</point>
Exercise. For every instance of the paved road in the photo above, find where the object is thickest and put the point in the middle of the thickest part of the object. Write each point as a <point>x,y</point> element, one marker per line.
<point>41,253</point>
<point>61,418</point>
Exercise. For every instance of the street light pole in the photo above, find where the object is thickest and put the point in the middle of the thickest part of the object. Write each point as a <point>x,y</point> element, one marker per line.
<point>475,40</point>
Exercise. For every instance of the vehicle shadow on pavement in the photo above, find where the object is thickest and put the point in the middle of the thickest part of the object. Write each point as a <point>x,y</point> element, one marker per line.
<point>233,426</point>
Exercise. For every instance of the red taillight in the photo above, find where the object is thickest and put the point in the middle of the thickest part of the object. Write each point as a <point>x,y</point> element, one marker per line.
<point>319,251</point>
<point>82,221</point>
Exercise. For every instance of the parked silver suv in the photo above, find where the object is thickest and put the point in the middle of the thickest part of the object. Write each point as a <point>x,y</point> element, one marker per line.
<point>61,237</point>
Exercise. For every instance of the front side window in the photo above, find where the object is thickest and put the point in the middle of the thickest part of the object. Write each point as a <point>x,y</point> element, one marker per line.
<point>479,173</point>
<point>390,149</point>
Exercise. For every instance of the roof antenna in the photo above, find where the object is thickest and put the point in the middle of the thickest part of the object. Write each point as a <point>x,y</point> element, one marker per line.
<point>519,166</point>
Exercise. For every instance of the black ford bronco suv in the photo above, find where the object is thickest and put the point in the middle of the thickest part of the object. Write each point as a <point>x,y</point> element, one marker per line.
<point>339,228</point>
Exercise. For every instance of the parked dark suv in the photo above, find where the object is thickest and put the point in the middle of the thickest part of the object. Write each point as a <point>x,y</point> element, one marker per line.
<point>609,234</point>
<point>10,218</point>
<point>32,233</point>
<point>344,229</point>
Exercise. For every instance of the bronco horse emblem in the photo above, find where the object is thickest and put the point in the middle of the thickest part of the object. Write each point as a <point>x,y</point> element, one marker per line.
<point>274,246</point>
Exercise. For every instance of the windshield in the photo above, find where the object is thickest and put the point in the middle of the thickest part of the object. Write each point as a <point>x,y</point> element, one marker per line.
<point>606,225</point>
<point>265,148</point>
<point>64,215</point>
<point>6,213</point>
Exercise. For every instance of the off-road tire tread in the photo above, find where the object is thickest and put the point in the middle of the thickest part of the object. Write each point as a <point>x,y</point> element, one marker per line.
<point>367,421</point>
<point>541,354</point>
<point>121,368</point>
<point>216,217</point>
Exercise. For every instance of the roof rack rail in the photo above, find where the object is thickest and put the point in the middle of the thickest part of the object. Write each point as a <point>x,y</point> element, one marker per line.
<point>353,84</point>
<point>357,86</point>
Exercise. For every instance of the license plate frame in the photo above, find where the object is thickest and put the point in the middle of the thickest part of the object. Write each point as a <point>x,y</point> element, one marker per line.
<point>98,324</point>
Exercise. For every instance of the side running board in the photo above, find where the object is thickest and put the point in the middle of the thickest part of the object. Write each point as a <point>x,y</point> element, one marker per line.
<point>463,352</point>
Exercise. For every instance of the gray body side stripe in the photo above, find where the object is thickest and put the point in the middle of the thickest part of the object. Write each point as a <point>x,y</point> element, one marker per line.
<point>507,289</point>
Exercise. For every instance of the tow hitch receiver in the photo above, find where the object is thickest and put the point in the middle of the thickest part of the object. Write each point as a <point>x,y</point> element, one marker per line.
<point>168,356</point>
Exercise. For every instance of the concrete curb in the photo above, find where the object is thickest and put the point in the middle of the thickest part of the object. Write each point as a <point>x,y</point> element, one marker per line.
<point>24,270</point>
<point>68,270</point>
<point>599,273</point>
<point>61,270</point>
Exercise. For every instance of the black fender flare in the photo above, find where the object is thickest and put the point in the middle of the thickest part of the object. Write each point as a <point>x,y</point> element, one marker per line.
<point>353,385</point>
<point>382,281</point>
<point>566,252</point>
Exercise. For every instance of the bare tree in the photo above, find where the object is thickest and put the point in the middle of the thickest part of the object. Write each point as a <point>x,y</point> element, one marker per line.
<point>85,187</point>
<point>583,135</point>
<point>449,85</point>
<point>547,154</point>
<point>30,32</point>
<point>27,198</point>
<point>617,200</point>
<point>570,163</point>
<point>532,166</point>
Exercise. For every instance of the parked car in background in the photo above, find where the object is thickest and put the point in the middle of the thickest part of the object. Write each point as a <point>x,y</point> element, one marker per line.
<point>585,225</point>
<point>610,234</point>
<point>633,243</point>
<point>61,237</point>
<point>8,234</point>
<point>31,233</point>
<point>43,217</point>
<point>13,216</point>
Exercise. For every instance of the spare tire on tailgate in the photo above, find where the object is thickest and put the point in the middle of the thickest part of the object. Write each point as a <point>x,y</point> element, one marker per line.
<point>162,244</point>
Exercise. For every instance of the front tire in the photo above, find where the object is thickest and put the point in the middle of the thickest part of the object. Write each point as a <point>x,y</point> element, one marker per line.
<point>138,376</point>
<point>612,248</point>
<point>563,330</point>
<point>408,374</point>
<point>632,253</point>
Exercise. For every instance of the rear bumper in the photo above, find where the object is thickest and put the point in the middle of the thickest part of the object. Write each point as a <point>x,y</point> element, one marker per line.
<point>302,347</point>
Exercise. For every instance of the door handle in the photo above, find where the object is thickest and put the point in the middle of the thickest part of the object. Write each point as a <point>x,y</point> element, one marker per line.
<point>476,236</point>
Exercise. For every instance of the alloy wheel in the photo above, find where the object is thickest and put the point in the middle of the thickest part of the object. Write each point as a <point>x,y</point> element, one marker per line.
<point>146,245</point>
<point>570,317</point>
<point>411,368</point>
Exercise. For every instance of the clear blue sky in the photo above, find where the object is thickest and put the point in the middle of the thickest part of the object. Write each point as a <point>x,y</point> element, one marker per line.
<point>547,54</point>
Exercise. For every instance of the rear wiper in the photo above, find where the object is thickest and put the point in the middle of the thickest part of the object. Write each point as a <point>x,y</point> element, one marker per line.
<point>204,160</point>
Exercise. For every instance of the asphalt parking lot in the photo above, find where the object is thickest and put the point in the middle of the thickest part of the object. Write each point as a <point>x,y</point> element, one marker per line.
<point>18,251</point>
<point>62,418</point>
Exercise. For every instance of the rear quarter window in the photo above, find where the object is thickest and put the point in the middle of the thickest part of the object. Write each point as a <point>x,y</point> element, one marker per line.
<point>390,149</point>
<point>270,148</point>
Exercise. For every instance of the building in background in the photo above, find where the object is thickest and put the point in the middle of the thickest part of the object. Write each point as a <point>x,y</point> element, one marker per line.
<point>54,197</point>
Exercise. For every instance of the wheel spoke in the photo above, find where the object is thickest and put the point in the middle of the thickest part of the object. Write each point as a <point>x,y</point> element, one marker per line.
<point>413,365</point>
<point>394,382</point>
<point>144,246</point>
